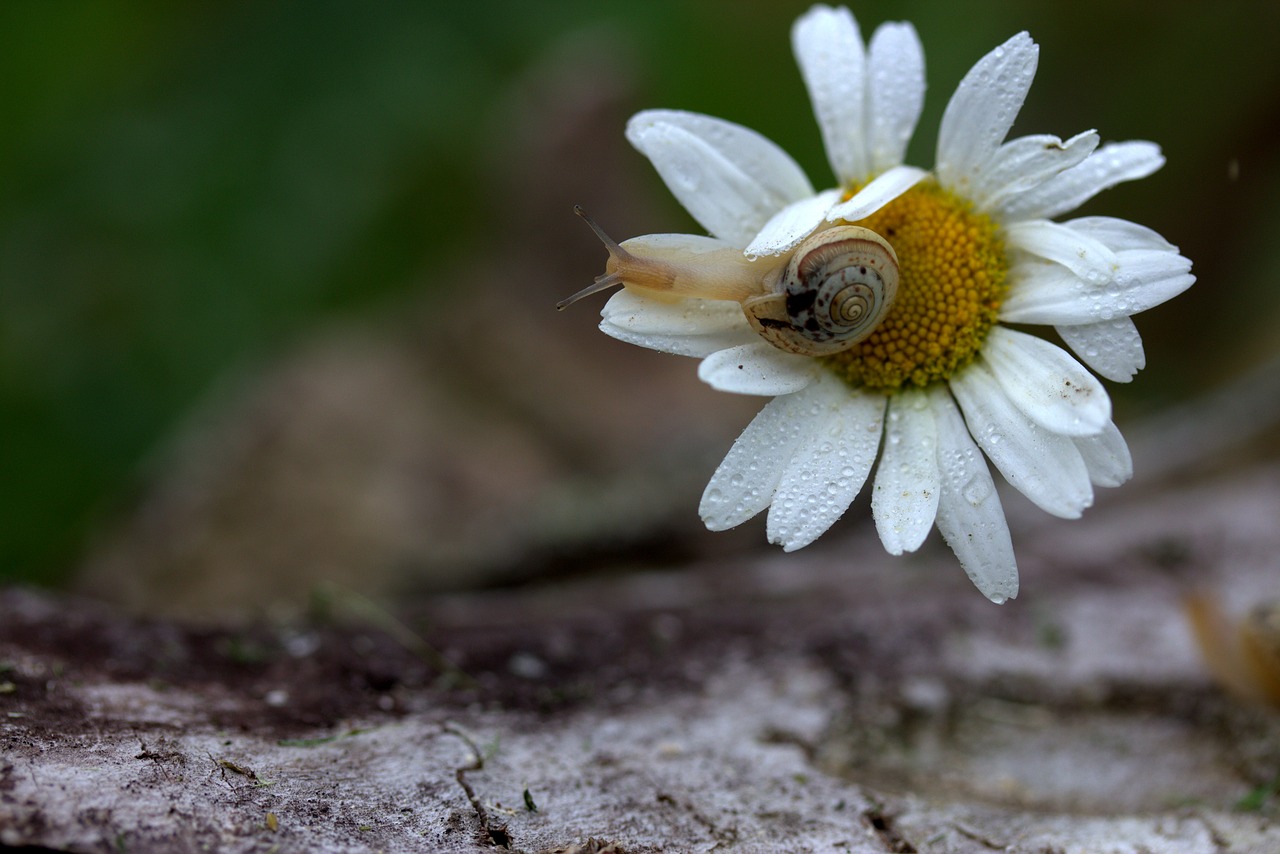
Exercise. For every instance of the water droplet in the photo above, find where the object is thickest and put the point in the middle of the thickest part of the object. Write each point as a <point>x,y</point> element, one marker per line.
<point>976,490</point>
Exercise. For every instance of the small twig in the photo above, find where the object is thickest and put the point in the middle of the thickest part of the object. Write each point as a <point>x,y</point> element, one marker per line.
<point>225,765</point>
<point>497,833</point>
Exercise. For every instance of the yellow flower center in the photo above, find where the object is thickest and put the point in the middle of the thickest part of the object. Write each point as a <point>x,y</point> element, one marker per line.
<point>952,281</point>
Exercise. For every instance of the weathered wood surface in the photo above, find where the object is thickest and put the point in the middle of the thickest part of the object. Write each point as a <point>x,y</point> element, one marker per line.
<point>836,699</point>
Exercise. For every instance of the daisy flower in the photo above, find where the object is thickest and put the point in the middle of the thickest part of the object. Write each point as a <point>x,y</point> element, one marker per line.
<point>936,383</point>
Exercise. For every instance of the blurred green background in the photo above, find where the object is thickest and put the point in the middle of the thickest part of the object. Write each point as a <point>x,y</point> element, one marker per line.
<point>186,188</point>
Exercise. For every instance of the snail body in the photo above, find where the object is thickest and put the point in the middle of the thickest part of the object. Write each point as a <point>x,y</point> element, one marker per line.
<point>830,293</point>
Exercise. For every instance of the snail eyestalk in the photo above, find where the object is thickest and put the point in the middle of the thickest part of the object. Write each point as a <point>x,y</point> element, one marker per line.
<point>602,283</point>
<point>609,243</point>
<point>607,280</point>
<point>678,266</point>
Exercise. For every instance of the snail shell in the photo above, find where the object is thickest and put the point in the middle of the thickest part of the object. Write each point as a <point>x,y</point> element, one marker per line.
<point>836,289</point>
<point>829,294</point>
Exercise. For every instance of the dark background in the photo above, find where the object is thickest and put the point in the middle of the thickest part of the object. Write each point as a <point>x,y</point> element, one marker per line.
<point>189,189</point>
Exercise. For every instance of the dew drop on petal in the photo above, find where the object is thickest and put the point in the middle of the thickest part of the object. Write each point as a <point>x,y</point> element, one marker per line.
<point>976,491</point>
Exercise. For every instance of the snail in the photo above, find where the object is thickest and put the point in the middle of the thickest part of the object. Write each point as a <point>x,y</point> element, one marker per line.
<point>831,292</point>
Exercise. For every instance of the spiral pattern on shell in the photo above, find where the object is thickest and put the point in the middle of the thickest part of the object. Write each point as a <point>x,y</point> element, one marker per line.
<point>837,288</point>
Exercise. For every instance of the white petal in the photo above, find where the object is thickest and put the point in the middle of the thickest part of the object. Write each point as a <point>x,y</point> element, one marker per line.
<point>1089,259</point>
<point>884,189</point>
<point>904,500</point>
<point>830,465</point>
<point>1106,455</point>
<point>828,47</point>
<point>1040,289</point>
<point>1106,167</point>
<point>731,179</point>
<point>745,482</point>
<point>1050,294</point>
<point>649,245</point>
<point>1119,234</point>
<point>895,78</point>
<point>691,327</point>
<point>697,346</point>
<point>982,110</point>
<point>1049,386</point>
<point>793,224</point>
<point>641,312</point>
<point>1147,278</point>
<point>1113,348</point>
<point>1042,465</point>
<point>1027,162</point>
<point>757,368</point>
<point>970,517</point>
